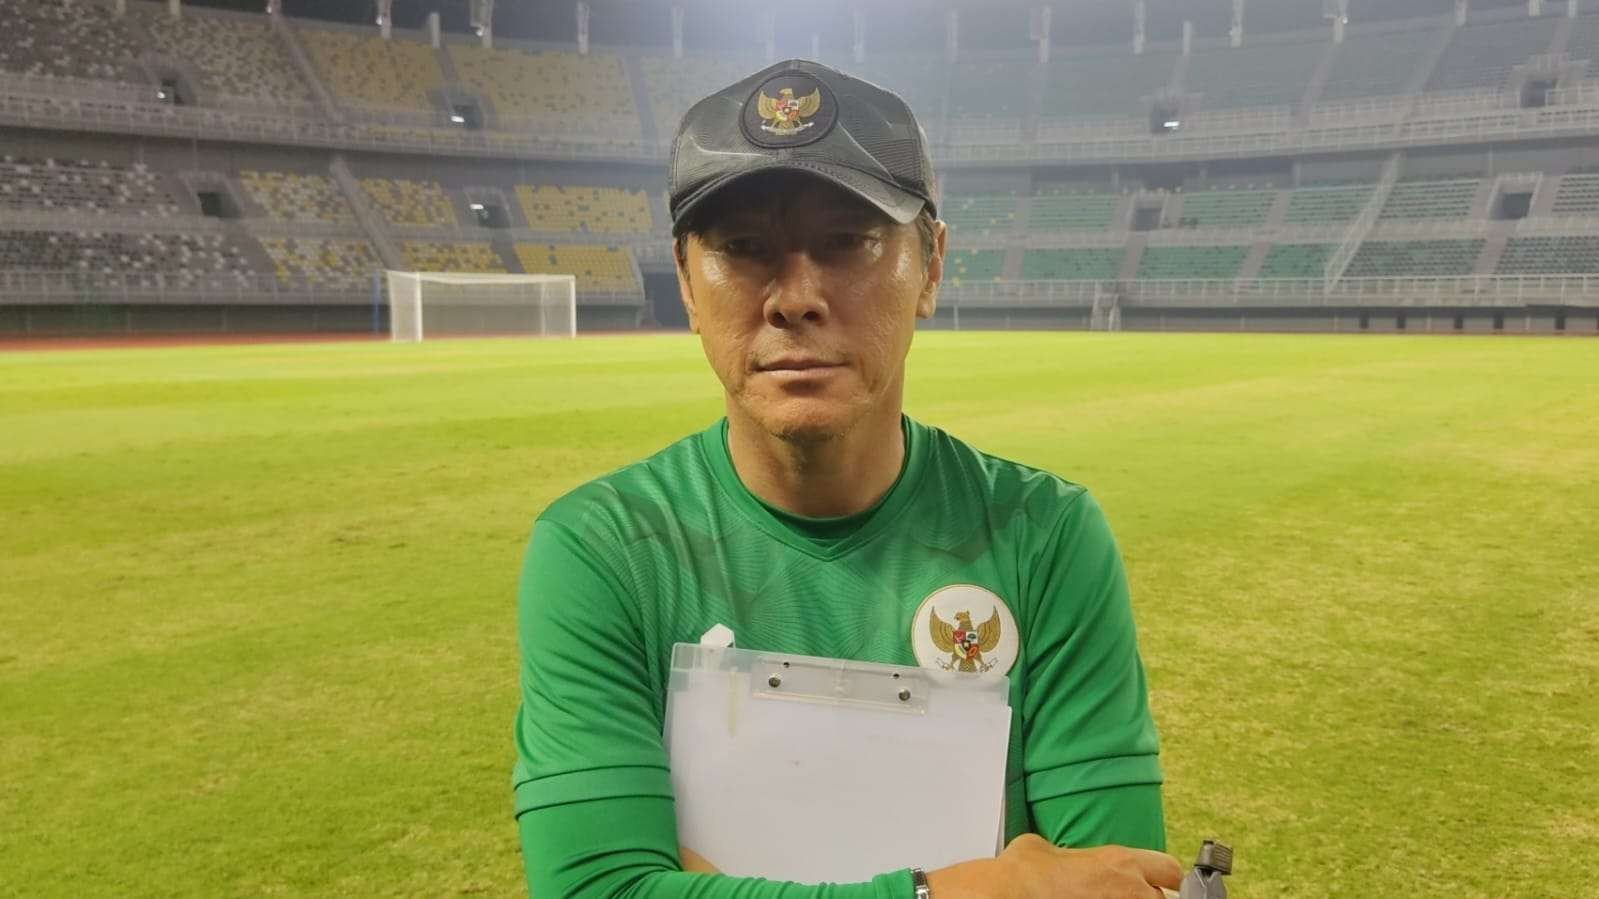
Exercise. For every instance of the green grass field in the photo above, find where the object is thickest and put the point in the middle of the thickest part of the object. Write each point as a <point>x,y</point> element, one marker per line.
<point>257,613</point>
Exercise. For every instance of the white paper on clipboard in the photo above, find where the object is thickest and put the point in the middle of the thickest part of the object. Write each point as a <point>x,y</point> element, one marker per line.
<point>809,770</point>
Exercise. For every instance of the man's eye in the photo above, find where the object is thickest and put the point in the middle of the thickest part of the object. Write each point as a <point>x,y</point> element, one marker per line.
<point>843,241</point>
<point>742,246</point>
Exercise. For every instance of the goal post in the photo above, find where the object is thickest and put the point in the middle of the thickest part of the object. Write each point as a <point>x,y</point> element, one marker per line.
<point>452,304</point>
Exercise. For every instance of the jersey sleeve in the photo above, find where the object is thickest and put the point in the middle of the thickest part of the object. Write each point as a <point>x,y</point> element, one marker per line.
<point>592,791</point>
<point>1089,743</point>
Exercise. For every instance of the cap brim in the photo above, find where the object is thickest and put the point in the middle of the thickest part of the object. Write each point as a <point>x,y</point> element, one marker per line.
<point>900,205</point>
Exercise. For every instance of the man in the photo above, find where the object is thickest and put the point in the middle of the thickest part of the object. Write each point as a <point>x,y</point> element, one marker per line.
<point>816,519</point>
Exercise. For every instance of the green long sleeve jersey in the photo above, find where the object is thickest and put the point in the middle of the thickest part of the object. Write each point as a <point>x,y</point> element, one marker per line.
<point>967,563</point>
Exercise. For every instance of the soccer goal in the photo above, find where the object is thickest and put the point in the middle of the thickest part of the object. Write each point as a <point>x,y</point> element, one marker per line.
<point>446,304</point>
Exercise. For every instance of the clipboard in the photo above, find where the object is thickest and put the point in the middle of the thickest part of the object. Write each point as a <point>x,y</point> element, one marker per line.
<point>817,770</point>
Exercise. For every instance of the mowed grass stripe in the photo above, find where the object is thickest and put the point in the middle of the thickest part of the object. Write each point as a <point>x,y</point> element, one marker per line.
<point>259,616</point>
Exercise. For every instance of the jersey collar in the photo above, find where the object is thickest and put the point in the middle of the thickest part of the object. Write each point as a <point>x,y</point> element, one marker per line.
<point>825,538</point>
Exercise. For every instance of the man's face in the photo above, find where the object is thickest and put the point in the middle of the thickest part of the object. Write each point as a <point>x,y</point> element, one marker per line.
<point>805,298</point>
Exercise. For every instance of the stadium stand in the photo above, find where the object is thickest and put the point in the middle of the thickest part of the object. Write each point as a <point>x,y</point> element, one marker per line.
<point>1376,64</point>
<point>1290,260</point>
<point>83,186</point>
<point>586,210</point>
<point>1095,264</point>
<point>1326,205</point>
<point>426,256</point>
<point>671,85</point>
<point>1583,42</point>
<point>369,71</point>
<point>293,197</point>
<point>989,89</point>
<point>323,262</point>
<point>599,269</point>
<point>920,80</point>
<point>1481,56</point>
<point>1103,85</point>
<point>1253,75</point>
<point>1191,262</point>
<point>974,265</point>
<point>1065,209</point>
<point>1578,195</point>
<point>1227,208</point>
<point>66,39</point>
<point>1550,256</point>
<point>232,56</point>
<point>558,89</point>
<point>174,258</point>
<point>403,201</point>
<point>1429,198</point>
<point>979,213</point>
<point>1415,258</point>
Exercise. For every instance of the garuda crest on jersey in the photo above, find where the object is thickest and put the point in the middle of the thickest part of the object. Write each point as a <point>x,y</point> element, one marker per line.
<point>965,643</point>
<point>786,114</point>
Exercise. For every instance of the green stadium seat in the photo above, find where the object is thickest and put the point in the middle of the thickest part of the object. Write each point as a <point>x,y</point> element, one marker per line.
<point>1550,256</point>
<point>974,265</point>
<point>1326,205</point>
<point>979,213</point>
<point>1090,264</point>
<point>1296,260</point>
<point>1415,258</point>
<point>1063,209</point>
<point>1191,262</point>
<point>1431,199</point>
<point>1227,208</point>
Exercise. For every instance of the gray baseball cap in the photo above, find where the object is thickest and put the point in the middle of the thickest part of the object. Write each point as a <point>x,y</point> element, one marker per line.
<point>801,116</point>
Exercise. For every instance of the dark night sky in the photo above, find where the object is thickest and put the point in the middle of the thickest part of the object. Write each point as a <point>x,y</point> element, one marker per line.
<point>892,25</point>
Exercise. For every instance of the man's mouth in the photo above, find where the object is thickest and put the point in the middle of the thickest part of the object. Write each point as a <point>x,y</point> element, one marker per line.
<point>794,363</point>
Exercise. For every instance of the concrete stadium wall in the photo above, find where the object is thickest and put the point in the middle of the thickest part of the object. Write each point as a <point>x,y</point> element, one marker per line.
<point>111,320</point>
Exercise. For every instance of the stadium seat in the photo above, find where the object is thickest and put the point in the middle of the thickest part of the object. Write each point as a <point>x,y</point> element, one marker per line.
<point>232,56</point>
<point>1326,205</point>
<point>1108,84</point>
<point>293,197</point>
<point>426,256</point>
<point>979,213</point>
<point>83,186</point>
<point>1415,258</point>
<point>599,269</point>
<point>1431,199</point>
<point>552,88</point>
<point>1296,260</point>
<point>145,259</point>
<point>67,40</point>
<point>1550,256</point>
<point>1253,75</point>
<point>1371,65</point>
<point>1578,195</point>
<point>405,202</point>
<point>1092,264</point>
<point>587,210</point>
<point>1064,209</point>
<point>1191,262</point>
<point>974,265</point>
<point>366,70</point>
<point>1481,56</point>
<point>342,263</point>
<point>1227,208</point>
<point>673,84</point>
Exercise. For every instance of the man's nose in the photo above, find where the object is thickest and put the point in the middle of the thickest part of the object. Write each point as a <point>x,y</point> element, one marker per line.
<point>796,293</point>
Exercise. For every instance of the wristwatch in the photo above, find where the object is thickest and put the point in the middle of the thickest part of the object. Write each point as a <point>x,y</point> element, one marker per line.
<point>919,880</point>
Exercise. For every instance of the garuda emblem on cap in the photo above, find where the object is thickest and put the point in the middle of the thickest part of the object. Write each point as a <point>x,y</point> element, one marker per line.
<point>786,114</point>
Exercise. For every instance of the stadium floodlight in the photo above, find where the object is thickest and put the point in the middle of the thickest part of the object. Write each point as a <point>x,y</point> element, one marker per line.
<point>454,304</point>
<point>457,118</point>
<point>1172,124</point>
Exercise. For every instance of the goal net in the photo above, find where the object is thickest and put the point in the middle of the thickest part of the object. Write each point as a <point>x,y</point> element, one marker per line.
<point>446,304</point>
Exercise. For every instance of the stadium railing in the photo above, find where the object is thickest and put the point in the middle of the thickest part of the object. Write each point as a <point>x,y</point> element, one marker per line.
<point>211,288</point>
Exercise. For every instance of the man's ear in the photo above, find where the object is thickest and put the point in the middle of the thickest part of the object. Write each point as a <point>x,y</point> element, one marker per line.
<point>685,290</point>
<point>927,301</point>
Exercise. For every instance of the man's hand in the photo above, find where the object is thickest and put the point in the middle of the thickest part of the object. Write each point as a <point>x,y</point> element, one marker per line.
<point>1033,868</point>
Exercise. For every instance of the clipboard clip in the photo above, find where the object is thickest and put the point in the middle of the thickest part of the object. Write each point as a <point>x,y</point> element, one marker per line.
<point>840,682</point>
